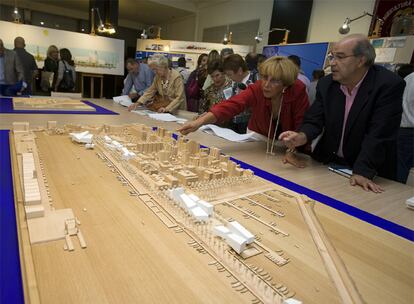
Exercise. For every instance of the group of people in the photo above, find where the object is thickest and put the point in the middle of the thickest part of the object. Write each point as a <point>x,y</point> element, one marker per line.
<point>355,116</point>
<point>60,68</point>
<point>18,69</point>
<point>351,117</point>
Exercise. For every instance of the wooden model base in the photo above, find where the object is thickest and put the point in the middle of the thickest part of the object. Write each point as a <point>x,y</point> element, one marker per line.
<point>142,247</point>
<point>50,103</point>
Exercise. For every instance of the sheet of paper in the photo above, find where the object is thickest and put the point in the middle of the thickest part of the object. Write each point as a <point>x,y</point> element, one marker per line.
<point>163,117</point>
<point>123,100</point>
<point>142,111</point>
<point>229,134</point>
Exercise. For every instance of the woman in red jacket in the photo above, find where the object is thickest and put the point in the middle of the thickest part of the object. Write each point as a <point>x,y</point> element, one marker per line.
<point>278,102</point>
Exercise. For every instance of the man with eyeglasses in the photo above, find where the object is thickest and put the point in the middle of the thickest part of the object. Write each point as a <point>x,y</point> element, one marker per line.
<point>357,110</point>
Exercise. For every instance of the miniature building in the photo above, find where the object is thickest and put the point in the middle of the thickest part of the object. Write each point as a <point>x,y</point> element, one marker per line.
<point>51,124</point>
<point>83,137</point>
<point>20,126</point>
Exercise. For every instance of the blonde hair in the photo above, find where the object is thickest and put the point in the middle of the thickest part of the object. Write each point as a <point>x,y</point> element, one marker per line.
<point>52,48</point>
<point>158,60</point>
<point>280,68</point>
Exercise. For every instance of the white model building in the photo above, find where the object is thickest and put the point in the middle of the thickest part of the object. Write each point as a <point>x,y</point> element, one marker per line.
<point>221,231</point>
<point>237,242</point>
<point>107,139</point>
<point>126,154</point>
<point>236,228</point>
<point>197,208</point>
<point>236,236</point>
<point>82,137</point>
<point>31,190</point>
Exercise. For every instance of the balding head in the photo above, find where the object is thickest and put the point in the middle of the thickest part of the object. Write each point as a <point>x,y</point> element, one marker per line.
<point>19,43</point>
<point>360,46</point>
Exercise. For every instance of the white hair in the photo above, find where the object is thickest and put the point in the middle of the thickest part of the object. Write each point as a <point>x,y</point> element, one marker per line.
<point>158,60</point>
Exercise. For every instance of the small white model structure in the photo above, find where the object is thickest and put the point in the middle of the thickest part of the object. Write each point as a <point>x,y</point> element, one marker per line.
<point>291,301</point>
<point>82,137</point>
<point>198,209</point>
<point>410,202</point>
<point>126,154</point>
<point>32,197</point>
<point>107,139</point>
<point>20,126</point>
<point>236,236</point>
<point>71,229</point>
<point>51,124</point>
<point>236,228</point>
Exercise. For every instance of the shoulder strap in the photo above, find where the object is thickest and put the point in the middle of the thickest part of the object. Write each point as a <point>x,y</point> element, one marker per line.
<point>66,68</point>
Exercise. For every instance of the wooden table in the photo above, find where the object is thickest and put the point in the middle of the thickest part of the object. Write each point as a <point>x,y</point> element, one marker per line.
<point>373,256</point>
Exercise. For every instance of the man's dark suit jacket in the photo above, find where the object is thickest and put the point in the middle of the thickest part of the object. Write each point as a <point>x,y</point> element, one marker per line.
<point>370,138</point>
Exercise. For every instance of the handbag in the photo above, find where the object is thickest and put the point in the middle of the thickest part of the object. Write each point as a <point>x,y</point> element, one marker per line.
<point>46,81</point>
<point>158,103</point>
<point>66,84</point>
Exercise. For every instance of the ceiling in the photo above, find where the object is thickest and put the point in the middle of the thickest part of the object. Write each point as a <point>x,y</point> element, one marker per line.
<point>133,11</point>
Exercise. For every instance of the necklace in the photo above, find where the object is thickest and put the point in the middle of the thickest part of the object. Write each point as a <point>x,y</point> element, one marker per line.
<point>164,84</point>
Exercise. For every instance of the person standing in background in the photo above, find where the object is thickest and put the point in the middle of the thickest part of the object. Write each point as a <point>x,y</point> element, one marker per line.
<point>28,63</point>
<point>182,69</point>
<point>406,133</point>
<point>11,72</point>
<point>301,76</point>
<point>50,68</point>
<point>66,78</point>
<point>316,74</point>
<point>195,82</point>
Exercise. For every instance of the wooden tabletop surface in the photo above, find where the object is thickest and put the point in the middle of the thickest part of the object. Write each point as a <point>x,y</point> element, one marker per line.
<point>389,205</point>
<point>131,257</point>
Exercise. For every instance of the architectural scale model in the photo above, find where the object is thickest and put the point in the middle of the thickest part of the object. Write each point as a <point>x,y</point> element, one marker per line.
<point>256,234</point>
<point>50,103</point>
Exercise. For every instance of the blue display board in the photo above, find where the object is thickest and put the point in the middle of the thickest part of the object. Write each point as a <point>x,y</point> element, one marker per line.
<point>312,55</point>
<point>172,56</point>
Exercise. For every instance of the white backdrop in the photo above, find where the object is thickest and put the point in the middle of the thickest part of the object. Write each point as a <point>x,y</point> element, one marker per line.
<point>92,54</point>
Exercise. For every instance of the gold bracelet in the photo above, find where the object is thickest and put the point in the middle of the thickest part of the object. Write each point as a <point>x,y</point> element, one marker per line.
<point>292,150</point>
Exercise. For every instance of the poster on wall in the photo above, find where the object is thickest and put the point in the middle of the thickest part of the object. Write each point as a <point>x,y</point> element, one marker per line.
<point>92,54</point>
<point>398,17</point>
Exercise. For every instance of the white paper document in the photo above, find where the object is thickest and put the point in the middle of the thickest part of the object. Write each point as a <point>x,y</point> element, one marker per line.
<point>123,100</point>
<point>165,117</point>
<point>228,134</point>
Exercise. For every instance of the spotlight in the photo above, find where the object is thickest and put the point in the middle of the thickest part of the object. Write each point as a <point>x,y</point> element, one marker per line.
<point>144,35</point>
<point>16,15</point>
<point>344,29</point>
<point>225,39</point>
<point>259,37</point>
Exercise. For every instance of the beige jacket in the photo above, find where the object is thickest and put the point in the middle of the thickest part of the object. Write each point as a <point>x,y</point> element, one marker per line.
<point>175,92</point>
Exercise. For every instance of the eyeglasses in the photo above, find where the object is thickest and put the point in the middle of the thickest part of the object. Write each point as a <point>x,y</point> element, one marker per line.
<point>331,57</point>
<point>270,80</point>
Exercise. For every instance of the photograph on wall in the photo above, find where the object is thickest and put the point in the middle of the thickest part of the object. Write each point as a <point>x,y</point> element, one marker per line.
<point>92,54</point>
<point>397,16</point>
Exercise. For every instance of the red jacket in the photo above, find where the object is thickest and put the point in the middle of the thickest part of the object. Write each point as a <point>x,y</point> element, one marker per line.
<point>295,103</point>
